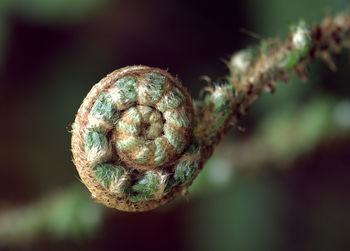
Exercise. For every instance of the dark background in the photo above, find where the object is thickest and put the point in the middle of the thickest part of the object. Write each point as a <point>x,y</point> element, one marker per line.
<point>283,184</point>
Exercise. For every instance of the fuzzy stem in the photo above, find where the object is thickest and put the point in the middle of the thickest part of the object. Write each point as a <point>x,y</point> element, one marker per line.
<point>258,69</point>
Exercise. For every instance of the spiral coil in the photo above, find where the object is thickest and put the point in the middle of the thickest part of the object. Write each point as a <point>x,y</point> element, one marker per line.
<point>133,142</point>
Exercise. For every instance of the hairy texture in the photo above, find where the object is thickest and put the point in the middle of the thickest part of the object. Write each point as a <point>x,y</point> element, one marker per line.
<point>131,135</point>
<point>257,69</point>
<point>138,139</point>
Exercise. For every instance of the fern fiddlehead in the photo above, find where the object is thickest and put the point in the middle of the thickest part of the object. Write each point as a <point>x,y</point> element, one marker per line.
<point>139,140</point>
<point>133,139</point>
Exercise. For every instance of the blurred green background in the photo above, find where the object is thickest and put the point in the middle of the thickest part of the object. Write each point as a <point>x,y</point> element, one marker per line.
<point>283,184</point>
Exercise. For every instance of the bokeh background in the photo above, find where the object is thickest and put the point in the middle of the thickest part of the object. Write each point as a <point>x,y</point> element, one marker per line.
<point>282,184</point>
